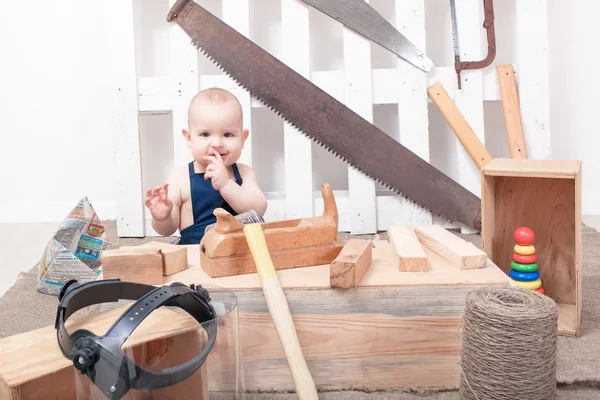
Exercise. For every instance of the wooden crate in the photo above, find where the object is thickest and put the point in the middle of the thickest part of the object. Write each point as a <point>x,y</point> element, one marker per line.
<point>34,368</point>
<point>544,195</point>
<point>394,330</point>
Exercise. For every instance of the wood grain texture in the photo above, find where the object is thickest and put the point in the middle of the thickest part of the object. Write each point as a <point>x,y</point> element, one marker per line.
<point>551,206</point>
<point>459,125</point>
<point>407,249</point>
<point>134,264</point>
<point>351,264</point>
<point>283,259</point>
<point>382,273</point>
<point>174,257</point>
<point>27,373</point>
<point>512,111</point>
<point>359,338</point>
<point>280,313</point>
<point>457,251</point>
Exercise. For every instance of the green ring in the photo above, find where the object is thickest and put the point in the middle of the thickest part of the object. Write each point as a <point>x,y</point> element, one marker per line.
<point>524,267</point>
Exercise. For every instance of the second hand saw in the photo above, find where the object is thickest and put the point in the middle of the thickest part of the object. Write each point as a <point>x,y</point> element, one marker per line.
<point>359,16</point>
<point>324,119</point>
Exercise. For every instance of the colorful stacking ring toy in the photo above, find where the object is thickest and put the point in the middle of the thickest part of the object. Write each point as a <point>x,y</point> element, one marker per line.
<point>524,250</point>
<point>540,290</point>
<point>524,267</point>
<point>528,259</point>
<point>532,285</point>
<point>524,276</point>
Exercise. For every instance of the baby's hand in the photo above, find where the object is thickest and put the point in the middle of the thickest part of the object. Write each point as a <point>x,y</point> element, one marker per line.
<point>158,202</point>
<point>216,171</point>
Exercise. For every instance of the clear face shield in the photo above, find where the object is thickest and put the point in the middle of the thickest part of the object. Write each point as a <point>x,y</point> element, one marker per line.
<point>145,341</point>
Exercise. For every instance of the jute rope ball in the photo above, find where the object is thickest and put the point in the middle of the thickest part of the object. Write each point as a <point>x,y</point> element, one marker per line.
<point>509,345</point>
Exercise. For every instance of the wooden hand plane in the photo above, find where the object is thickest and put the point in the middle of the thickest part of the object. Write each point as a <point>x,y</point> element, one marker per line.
<point>292,243</point>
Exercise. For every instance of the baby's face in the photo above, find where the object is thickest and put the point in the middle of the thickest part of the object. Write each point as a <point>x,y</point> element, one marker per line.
<point>216,127</point>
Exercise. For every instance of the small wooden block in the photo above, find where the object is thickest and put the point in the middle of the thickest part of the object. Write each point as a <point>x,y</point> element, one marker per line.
<point>408,251</point>
<point>351,264</point>
<point>174,257</point>
<point>459,252</point>
<point>131,264</point>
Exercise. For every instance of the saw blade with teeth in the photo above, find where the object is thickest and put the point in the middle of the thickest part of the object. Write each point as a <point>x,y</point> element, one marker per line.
<point>324,119</point>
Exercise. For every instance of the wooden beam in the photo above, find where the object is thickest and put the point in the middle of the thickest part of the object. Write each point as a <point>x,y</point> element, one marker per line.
<point>512,111</point>
<point>350,265</point>
<point>459,125</point>
<point>141,265</point>
<point>408,252</point>
<point>459,252</point>
<point>174,257</point>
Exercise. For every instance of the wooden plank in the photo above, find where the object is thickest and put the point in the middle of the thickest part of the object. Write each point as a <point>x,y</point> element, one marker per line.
<point>459,252</point>
<point>236,13</point>
<point>124,119</point>
<point>28,374</point>
<point>533,76</point>
<point>297,147</point>
<point>358,97</point>
<point>350,265</point>
<point>408,252</point>
<point>184,73</point>
<point>174,257</point>
<point>359,333</point>
<point>383,272</point>
<point>459,125</point>
<point>282,259</point>
<point>133,264</point>
<point>413,113</point>
<point>469,100</point>
<point>512,111</point>
<point>566,169</point>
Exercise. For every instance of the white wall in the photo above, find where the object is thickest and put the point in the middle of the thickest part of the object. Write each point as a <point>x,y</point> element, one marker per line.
<point>55,103</point>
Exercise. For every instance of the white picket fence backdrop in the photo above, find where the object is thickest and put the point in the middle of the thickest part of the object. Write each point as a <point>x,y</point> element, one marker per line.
<point>364,207</point>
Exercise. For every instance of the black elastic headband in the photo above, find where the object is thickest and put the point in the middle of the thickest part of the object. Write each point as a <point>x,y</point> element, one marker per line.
<point>101,358</point>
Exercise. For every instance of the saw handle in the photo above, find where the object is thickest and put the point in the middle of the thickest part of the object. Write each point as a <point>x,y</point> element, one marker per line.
<point>280,312</point>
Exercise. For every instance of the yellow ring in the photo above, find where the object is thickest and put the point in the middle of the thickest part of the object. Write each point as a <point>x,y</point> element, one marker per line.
<point>524,250</point>
<point>532,285</point>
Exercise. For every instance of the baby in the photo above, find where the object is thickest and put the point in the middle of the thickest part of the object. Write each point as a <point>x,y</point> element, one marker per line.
<point>214,178</point>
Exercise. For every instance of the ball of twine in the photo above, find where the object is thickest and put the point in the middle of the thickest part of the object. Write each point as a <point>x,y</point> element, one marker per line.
<point>509,345</point>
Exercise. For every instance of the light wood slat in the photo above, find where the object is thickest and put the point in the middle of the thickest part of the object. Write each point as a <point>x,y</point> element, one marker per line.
<point>512,111</point>
<point>297,147</point>
<point>358,97</point>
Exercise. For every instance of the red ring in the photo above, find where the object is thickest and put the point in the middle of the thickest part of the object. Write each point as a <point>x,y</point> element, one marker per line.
<point>527,259</point>
<point>540,290</point>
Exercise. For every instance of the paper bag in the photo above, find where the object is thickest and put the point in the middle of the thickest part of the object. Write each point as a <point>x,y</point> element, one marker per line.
<point>75,250</point>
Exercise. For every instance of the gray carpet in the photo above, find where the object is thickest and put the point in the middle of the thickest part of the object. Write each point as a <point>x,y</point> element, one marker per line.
<point>23,308</point>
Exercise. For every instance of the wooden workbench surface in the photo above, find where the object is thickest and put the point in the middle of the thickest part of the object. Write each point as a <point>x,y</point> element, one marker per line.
<point>383,272</point>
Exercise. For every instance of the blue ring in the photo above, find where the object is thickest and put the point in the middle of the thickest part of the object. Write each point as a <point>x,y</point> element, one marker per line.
<point>524,276</point>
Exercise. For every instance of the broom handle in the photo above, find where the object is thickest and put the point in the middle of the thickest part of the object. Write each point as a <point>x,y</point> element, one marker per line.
<point>280,312</point>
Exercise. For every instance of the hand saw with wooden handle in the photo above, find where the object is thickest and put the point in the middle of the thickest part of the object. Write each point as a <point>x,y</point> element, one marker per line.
<point>359,16</point>
<point>324,119</point>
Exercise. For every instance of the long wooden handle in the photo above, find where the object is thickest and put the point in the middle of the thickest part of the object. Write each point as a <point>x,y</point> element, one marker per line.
<point>512,112</point>
<point>280,312</point>
<point>459,125</point>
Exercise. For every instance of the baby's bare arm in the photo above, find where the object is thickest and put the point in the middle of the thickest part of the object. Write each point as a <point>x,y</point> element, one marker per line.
<point>169,225</point>
<point>246,197</point>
